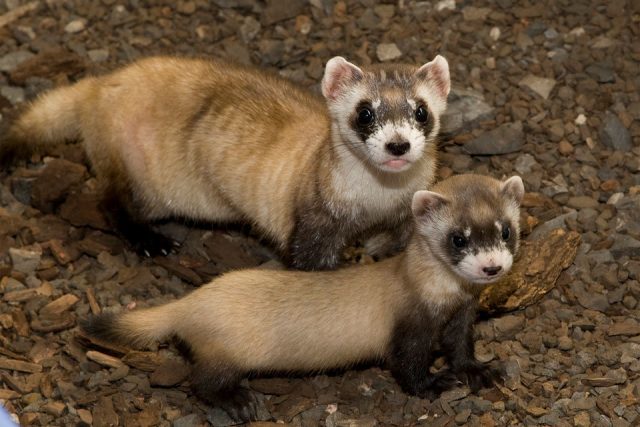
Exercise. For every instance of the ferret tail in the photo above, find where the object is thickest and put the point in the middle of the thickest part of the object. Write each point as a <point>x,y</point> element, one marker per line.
<point>136,329</point>
<point>51,119</point>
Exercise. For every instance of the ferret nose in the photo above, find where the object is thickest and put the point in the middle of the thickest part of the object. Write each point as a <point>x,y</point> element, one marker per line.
<point>492,271</point>
<point>398,148</point>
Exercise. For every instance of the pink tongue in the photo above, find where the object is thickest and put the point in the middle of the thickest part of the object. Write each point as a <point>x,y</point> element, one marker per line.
<point>396,163</point>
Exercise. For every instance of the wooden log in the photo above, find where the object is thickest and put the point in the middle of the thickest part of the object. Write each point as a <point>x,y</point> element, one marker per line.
<point>534,272</point>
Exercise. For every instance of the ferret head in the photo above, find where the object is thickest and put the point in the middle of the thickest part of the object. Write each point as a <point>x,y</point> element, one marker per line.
<point>471,224</point>
<point>387,115</point>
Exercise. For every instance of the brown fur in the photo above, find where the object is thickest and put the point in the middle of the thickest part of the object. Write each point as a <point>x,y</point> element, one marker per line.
<point>212,141</point>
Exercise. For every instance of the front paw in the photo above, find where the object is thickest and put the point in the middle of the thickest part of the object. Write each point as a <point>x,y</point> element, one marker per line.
<point>432,386</point>
<point>480,375</point>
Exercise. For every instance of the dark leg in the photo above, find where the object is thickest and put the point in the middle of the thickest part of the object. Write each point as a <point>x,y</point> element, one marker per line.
<point>386,243</point>
<point>218,386</point>
<point>457,343</point>
<point>413,345</point>
<point>317,242</point>
<point>120,210</point>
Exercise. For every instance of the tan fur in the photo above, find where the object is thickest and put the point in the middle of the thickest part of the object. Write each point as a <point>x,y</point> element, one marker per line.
<point>288,320</point>
<point>217,142</point>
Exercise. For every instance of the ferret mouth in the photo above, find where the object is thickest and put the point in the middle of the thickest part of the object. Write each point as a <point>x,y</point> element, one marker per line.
<point>395,165</point>
<point>483,280</point>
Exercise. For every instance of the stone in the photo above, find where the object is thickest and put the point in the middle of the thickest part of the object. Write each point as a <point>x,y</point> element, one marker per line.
<point>14,94</point>
<point>75,26</point>
<point>508,138</point>
<point>602,72</point>
<point>98,55</point>
<point>191,420</point>
<point>565,343</point>
<point>582,202</point>
<point>388,52</point>
<point>471,13</point>
<point>525,164</point>
<point>53,183</point>
<point>465,108</point>
<point>540,85</point>
<point>169,373</point>
<point>249,29</point>
<point>506,327</point>
<point>625,245</point>
<point>11,60</point>
<point>25,260</point>
<point>614,134</point>
<point>277,10</point>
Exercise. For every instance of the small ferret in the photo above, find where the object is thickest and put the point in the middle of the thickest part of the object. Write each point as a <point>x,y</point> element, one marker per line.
<point>400,310</point>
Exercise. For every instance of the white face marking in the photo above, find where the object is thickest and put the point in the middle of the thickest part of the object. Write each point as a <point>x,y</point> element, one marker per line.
<point>478,268</point>
<point>376,104</point>
<point>467,232</point>
<point>396,132</point>
<point>412,103</point>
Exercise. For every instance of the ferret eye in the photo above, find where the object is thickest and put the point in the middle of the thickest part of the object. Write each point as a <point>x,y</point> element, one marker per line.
<point>506,232</point>
<point>421,114</point>
<point>458,241</point>
<point>365,117</point>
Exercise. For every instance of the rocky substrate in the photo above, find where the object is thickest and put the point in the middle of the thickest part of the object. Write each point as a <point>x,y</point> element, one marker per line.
<point>548,90</point>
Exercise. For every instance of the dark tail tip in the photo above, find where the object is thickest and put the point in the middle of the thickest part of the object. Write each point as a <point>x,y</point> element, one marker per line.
<point>103,326</point>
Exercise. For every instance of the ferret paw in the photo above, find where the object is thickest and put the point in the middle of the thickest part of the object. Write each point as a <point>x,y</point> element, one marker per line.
<point>432,386</point>
<point>479,375</point>
<point>239,403</point>
<point>151,244</point>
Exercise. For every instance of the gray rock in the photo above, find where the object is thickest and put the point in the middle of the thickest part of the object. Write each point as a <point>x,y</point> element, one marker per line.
<point>191,420</point>
<point>14,94</point>
<point>625,245</point>
<point>25,260</point>
<point>278,10</point>
<point>388,52</point>
<point>506,327</point>
<point>219,418</point>
<point>11,60</point>
<point>540,85</point>
<point>614,135</point>
<point>525,163</point>
<point>602,72</point>
<point>464,109</point>
<point>98,55</point>
<point>552,224</point>
<point>507,138</point>
<point>249,29</point>
<point>368,20</point>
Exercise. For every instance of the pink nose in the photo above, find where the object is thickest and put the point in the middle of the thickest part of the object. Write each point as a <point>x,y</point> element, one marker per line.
<point>492,271</point>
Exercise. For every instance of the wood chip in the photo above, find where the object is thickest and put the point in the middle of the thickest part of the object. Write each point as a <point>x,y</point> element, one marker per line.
<point>104,359</point>
<point>6,394</point>
<point>60,305</point>
<point>61,323</point>
<point>21,323</point>
<point>54,408</point>
<point>143,360</point>
<point>16,13</point>
<point>19,365</point>
<point>93,303</point>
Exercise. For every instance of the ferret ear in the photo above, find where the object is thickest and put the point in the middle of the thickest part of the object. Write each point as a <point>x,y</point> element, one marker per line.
<point>437,72</point>
<point>338,73</point>
<point>513,188</point>
<point>425,202</point>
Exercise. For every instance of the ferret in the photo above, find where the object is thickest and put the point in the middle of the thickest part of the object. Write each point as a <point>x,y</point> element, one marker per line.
<point>401,309</point>
<point>213,141</point>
